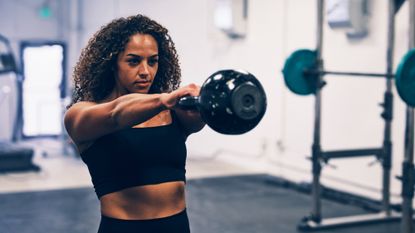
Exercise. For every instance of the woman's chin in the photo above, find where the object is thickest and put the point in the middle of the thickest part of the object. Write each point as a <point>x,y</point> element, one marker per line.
<point>140,91</point>
<point>141,88</point>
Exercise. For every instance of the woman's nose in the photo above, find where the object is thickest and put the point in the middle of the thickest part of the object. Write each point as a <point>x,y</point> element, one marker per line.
<point>143,68</point>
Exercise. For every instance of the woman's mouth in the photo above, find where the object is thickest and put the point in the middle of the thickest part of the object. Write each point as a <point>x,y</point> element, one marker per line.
<point>142,83</point>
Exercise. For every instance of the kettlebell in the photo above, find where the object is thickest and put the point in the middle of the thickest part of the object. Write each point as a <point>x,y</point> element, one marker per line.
<point>230,102</point>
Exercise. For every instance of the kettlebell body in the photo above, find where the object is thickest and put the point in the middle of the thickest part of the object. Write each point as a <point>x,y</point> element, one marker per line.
<point>232,102</point>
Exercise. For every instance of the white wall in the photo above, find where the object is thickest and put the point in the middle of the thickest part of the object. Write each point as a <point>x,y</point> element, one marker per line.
<point>281,142</point>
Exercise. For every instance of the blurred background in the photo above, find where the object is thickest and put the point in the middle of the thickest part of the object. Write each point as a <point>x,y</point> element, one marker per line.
<point>45,38</point>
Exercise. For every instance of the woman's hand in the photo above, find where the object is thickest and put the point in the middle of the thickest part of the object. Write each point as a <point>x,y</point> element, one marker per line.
<point>169,100</point>
<point>190,120</point>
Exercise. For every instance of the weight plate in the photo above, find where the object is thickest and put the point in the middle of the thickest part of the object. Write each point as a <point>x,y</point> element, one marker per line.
<point>405,78</point>
<point>295,78</point>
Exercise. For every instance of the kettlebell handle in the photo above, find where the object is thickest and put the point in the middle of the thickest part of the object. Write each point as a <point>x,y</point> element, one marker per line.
<point>188,102</point>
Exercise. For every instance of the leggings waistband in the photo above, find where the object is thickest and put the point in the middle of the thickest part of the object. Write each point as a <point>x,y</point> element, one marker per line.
<point>177,223</point>
<point>178,215</point>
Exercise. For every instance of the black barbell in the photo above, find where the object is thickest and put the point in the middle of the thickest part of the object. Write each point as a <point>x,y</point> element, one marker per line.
<point>230,102</point>
<point>301,74</point>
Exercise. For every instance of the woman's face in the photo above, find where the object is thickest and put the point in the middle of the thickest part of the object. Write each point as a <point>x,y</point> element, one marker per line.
<point>137,65</point>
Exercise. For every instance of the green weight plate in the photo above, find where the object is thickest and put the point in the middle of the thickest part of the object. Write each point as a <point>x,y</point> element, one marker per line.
<point>293,71</point>
<point>405,78</point>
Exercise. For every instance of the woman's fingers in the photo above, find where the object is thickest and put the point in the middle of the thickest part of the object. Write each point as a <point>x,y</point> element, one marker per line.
<point>169,100</point>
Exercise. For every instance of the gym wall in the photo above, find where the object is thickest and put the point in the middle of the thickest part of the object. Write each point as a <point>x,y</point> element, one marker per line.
<point>22,20</point>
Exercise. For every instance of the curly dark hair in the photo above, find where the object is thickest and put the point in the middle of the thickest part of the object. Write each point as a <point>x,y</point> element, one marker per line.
<point>93,74</point>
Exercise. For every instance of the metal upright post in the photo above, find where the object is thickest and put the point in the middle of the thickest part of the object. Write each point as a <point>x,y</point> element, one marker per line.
<point>316,148</point>
<point>388,109</point>
<point>408,163</point>
<point>408,174</point>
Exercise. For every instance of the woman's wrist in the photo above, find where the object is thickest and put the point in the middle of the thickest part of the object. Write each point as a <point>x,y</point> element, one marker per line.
<point>165,101</point>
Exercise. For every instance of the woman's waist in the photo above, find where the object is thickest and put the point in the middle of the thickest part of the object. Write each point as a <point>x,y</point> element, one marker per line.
<point>145,202</point>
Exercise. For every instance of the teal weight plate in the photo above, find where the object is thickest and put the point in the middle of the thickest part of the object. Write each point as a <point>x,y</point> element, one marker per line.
<point>295,78</point>
<point>405,78</point>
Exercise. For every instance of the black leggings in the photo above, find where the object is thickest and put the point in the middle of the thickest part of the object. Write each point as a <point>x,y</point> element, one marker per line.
<point>177,223</point>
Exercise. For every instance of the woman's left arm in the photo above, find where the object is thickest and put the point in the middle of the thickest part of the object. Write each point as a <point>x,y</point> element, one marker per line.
<point>190,120</point>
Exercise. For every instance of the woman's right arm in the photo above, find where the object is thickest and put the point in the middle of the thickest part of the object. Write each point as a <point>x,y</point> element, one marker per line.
<point>87,121</point>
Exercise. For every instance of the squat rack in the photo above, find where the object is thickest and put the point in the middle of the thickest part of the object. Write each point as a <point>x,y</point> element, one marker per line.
<point>384,153</point>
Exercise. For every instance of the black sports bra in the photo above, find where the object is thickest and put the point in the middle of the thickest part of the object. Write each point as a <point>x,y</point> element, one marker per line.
<point>137,156</point>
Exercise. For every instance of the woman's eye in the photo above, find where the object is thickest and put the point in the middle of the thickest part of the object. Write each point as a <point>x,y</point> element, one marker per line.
<point>152,62</point>
<point>133,61</point>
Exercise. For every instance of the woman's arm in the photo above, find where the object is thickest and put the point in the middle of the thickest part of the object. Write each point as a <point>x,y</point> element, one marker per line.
<point>190,120</point>
<point>86,121</point>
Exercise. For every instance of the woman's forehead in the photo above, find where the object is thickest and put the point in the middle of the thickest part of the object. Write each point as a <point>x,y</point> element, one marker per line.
<point>140,45</point>
<point>142,41</point>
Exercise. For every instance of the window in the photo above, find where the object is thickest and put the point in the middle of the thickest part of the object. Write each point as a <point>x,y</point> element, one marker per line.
<point>42,88</point>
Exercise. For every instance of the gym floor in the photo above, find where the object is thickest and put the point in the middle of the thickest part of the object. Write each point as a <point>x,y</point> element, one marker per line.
<point>221,198</point>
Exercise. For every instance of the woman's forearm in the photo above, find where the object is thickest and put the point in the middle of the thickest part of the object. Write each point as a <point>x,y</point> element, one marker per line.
<point>133,109</point>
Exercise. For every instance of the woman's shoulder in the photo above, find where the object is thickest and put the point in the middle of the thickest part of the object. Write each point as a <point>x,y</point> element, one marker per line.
<point>81,104</point>
<point>70,120</point>
<point>75,108</point>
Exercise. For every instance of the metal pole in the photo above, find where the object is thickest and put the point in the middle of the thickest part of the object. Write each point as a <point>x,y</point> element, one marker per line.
<point>388,108</point>
<point>326,72</point>
<point>408,174</point>
<point>408,163</point>
<point>316,148</point>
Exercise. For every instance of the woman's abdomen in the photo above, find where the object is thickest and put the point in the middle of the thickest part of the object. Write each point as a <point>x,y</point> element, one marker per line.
<point>145,202</point>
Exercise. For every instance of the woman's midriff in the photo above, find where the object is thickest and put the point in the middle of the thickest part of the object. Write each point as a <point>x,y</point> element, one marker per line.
<point>145,202</point>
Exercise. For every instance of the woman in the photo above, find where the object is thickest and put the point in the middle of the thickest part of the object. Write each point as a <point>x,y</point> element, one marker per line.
<point>129,131</point>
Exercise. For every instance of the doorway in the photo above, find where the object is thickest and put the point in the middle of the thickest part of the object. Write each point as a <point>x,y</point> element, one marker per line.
<point>43,88</point>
